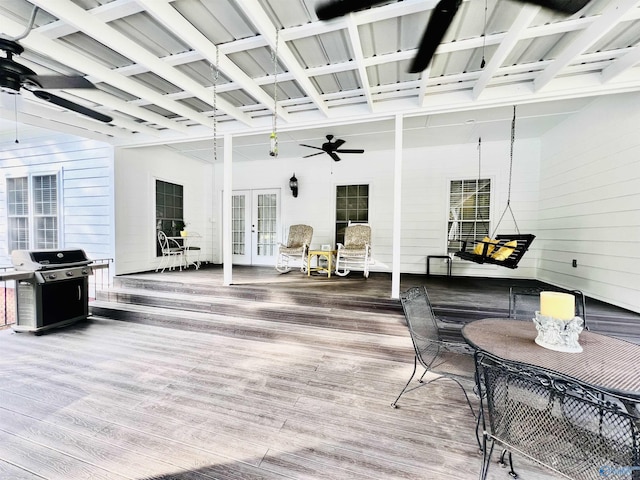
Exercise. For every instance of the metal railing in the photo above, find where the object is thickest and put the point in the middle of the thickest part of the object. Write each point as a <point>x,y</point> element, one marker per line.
<point>7,300</point>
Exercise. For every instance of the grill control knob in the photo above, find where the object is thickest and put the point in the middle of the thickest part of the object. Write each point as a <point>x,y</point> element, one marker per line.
<point>52,276</point>
<point>85,271</point>
<point>69,273</point>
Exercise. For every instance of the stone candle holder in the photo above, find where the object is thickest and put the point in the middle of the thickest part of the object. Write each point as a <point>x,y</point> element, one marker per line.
<point>559,335</point>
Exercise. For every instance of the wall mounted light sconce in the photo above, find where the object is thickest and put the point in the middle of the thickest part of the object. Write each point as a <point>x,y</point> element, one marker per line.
<point>293,185</point>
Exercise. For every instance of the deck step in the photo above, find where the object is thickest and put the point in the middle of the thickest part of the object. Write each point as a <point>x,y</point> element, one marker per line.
<point>358,335</point>
<point>338,314</point>
<point>263,295</point>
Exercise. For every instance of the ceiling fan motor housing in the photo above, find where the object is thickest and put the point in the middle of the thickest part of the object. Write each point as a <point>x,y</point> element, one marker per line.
<point>12,73</point>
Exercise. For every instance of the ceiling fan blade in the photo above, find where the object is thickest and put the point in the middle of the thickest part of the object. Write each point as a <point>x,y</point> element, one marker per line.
<point>564,6</point>
<point>58,81</point>
<point>310,146</point>
<point>439,22</point>
<point>338,8</point>
<point>334,156</point>
<point>64,103</point>
<point>313,154</point>
<point>357,150</point>
<point>338,143</point>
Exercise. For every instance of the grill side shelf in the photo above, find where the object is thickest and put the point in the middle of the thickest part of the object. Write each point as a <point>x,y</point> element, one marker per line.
<point>24,275</point>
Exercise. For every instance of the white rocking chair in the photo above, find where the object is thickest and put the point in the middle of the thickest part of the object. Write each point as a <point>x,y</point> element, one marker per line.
<point>297,247</point>
<point>355,254</point>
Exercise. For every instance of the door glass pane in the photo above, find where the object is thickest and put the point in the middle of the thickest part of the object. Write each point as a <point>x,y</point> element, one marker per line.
<point>238,224</point>
<point>267,210</point>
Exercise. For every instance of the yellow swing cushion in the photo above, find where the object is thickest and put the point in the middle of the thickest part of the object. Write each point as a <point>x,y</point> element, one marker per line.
<point>505,251</point>
<point>479,248</point>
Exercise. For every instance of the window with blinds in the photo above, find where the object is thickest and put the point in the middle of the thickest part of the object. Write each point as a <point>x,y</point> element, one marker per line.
<point>352,204</point>
<point>469,211</point>
<point>32,209</point>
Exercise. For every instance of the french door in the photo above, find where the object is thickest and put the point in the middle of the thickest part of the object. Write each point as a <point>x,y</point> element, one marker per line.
<point>255,223</point>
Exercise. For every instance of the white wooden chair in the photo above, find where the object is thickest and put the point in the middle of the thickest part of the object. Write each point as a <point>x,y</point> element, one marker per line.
<point>297,247</point>
<point>355,253</point>
<point>172,253</point>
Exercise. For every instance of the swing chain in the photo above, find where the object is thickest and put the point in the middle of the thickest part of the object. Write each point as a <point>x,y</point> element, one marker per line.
<point>273,151</point>
<point>215,73</point>
<point>508,207</point>
<point>513,138</point>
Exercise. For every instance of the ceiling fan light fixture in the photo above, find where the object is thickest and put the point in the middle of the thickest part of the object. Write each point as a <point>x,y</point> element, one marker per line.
<point>9,84</point>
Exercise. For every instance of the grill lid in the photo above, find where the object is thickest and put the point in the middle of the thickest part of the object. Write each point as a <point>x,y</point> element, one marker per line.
<point>33,260</point>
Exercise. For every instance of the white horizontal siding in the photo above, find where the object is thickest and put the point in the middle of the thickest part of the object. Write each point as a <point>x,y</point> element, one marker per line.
<point>136,173</point>
<point>590,202</point>
<point>85,168</point>
<point>426,175</point>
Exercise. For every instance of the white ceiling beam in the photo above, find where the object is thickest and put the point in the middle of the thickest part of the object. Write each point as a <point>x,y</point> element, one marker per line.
<point>171,19</point>
<point>621,65</point>
<point>105,13</point>
<point>39,119</point>
<point>423,85</point>
<point>57,118</point>
<point>255,14</point>
<point>102,98</point>
<point>36,42</point>
<point>520,24</point>
<point>174,60</point>
<point>87,23</point>
<point>125,124</point>
<point>356,46</point>
<point>600,27</point>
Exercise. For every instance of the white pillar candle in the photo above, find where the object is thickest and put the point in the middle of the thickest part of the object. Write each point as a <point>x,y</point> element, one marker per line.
<point>557,305</point>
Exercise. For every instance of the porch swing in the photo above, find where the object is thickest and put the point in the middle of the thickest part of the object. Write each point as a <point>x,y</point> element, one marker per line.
<point>505,250</point>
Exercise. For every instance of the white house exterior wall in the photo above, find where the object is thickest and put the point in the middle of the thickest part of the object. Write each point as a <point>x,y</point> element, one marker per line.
<point>136,172</point>
<point>85,170</point>
<point>590,202</point>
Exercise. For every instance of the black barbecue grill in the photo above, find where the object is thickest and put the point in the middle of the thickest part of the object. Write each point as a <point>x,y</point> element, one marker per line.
<point>57,291</point>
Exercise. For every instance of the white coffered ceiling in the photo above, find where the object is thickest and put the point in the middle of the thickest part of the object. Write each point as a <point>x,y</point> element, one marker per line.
<point>157,64</point>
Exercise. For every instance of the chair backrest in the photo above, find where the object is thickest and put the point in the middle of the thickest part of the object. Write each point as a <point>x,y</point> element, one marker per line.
<point>163,241</point>
<point>421,320</point>
<point>524,301</point>
<point>299,235</point>
<point>567,425</point>
<point>357,236</point>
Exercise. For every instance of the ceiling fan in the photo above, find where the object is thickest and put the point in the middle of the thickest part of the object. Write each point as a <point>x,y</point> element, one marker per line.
<point>15,76</point>
<point>332,148</point>
<point>441,17</point>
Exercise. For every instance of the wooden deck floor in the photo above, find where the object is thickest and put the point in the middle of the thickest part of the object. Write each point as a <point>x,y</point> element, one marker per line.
<point>108,399</point>
<point>237,397</point>
<point>455,299</point>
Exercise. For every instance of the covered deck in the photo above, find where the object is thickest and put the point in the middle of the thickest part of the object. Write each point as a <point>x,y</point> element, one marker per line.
<point>272,377</point>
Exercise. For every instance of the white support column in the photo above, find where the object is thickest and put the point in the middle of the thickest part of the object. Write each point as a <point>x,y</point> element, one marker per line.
<point>227,188</point>
<point>397,207</point>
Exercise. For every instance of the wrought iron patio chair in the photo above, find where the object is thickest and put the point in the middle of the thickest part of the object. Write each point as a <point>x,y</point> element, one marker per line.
<point>574,429</point>
<point>355,253</point>
<point>172,253</point>
<point>433,353</point>
<point>524,301</point>
<point>296,248</point>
